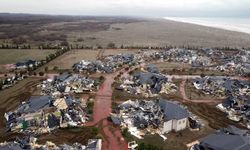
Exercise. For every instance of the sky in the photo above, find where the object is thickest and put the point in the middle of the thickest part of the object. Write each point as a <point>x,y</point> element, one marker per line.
<point>147,8</point>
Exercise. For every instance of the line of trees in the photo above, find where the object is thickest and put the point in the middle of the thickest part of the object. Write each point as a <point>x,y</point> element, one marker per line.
<point>50,57</point>
<point>110,45</point>
<point>15,46</point>
<point>32,70</point>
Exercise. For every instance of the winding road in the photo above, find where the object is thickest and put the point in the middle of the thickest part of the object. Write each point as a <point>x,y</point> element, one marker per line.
<point>183,84</point>
<point>113,139</point>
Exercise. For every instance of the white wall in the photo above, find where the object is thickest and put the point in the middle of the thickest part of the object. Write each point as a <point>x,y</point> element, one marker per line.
<point>167,126</point>
<point>180,124</point>
<point>175,125</point>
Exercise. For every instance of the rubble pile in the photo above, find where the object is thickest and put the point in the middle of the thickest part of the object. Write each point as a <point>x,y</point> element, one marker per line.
<point>41,114</point>
<point>154,116</point>
<point>148,84</point>
<point>214,59</point>
<point>31,144</point>
<point>10,81</point>
<point>210,85</point>
<point>238,63</point>
<point>108,65</point>
<point>235,92</point>
<point>68,83</point>
<point>192,57</point>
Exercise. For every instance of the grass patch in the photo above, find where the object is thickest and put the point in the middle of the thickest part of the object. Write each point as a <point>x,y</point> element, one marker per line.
<point>12,55</point>
<point>70,135</point>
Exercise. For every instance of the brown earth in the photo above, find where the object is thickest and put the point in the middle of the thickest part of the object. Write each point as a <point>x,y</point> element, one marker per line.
<point>11,98</point>
<point>99,31</point>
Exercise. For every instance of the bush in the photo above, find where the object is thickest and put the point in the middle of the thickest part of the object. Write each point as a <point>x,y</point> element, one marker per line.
<point>1,84</point>
<point>202,75</point>
<point>111,45</point>
<point>55,68</point>
<point>41,74</point>
<point>46,69</point>
<point>143,146</point>
<point>95,131</point>
<point>101,78</point>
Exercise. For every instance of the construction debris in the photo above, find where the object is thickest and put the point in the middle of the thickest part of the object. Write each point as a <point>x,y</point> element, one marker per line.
<point>31,144</point>
<point>108,64</point>
<point>235,92</point>
<point>147,84</point>
<point>154,116</point>
<point>41,114</point>
<point>68,83</point>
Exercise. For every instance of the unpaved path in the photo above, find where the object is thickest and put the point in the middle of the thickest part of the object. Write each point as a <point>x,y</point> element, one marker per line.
<point>186,99</point>
<point>113,139</point>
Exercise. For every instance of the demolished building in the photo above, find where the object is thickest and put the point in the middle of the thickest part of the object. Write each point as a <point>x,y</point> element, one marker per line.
<point>108,64</point>
<point>155,116</point>
<point>68,83</point>
<point>41,114</point>
<point>236,95</point>
<point>31,144</point>
<point>147,84</point>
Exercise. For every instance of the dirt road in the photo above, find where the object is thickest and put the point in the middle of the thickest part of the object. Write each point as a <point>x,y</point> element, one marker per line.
<point>186,99</point>
<point>113,139</point>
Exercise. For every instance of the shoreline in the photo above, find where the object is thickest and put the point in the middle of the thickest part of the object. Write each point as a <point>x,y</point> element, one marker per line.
<point>229,24</point>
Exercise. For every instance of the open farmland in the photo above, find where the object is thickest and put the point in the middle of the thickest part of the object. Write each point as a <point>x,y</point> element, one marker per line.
<point>100,31</point>
<point>67,60</point>
<point>14,55</point>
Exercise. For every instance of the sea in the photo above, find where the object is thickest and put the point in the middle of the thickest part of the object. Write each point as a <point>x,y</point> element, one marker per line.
<point>232,24</point>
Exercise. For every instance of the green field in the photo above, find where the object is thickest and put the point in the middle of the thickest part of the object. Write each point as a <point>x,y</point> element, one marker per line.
<point>9,56</point>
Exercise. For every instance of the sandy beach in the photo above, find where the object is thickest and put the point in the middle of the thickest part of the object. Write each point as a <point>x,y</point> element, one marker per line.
<point>231,24</point>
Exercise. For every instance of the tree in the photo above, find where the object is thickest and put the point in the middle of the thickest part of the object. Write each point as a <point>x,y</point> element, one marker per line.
<point>41,74</point>
<point>46,69</point>
<point>47,58</point>
<point>125,132</point>
<point>95,131</point>
<point>64,43</point>
<point>202,75</point>
<point>55,68</point>
<point>1,84</point>
<point>141,146</point>
<point>111,45</point>
<point>101,78</point>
